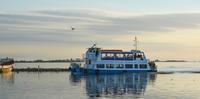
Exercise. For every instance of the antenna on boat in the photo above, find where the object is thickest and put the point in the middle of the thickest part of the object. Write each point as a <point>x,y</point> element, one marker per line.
<point>94,45</point>
<point>136,43</point>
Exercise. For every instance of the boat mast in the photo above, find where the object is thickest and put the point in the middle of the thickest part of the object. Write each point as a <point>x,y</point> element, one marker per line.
<point>136,43</point>
<point>94,45</point>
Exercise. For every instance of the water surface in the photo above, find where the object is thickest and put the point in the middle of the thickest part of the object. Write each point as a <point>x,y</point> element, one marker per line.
<point>63,85</point>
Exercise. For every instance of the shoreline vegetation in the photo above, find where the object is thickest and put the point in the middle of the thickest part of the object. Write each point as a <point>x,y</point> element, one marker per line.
<point>172,61</point>
<point>49,61</point>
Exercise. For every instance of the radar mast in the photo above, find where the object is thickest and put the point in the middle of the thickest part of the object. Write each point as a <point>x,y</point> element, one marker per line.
<point>135,43</point>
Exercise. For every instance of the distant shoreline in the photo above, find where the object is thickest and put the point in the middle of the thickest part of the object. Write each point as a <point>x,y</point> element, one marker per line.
<point>68,61</point>
<point>49,61</point>
<point>174,61</point>
<point>171,61</point>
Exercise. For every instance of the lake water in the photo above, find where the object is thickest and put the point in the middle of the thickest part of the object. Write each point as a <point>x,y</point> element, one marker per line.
<point>181,84</point>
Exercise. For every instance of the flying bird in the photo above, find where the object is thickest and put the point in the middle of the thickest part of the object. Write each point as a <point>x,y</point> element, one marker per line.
<point>72,28</point>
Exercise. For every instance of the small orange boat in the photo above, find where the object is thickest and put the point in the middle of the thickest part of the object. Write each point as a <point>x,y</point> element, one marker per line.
<point>6,65</point>
<point>6,69</point>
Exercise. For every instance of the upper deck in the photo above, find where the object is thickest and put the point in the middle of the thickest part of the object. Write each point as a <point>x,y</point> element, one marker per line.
<point>121,55</point>
<point>94,54</point>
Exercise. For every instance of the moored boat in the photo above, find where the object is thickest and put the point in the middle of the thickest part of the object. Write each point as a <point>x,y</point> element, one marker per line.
<point>6,65</point>
<point>6,69</point>
<point>98,60</point>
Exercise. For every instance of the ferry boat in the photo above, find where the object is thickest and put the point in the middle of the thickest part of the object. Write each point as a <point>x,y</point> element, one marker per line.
<point>99,60</point>
<point>6,65</point>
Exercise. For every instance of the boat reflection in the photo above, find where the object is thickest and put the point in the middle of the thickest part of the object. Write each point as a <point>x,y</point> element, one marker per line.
<point>117,84</point>
<point>7,78</point>
<point>75,79</point>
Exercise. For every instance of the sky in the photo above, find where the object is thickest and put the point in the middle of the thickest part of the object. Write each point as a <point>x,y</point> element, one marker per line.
<point>41,29</point>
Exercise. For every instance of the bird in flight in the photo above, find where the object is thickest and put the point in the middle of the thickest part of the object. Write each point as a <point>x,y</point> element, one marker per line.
<point>72,28</point>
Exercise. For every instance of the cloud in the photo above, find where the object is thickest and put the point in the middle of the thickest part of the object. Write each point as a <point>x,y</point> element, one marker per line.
<point>49,30</point>
<point>162,22</point>
<point>90,25</point>
<point>150,23</point>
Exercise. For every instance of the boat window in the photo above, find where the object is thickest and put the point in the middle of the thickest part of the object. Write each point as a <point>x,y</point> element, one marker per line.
<point>90,50</point>
<point>119,65</point>
<point>129,65</point>
<point>141,56</point>
<point>119,56</point>
<point>136,66</point>
<point>143,66</point>
<point>88,61</point>
<point>100,65</point>
<point>126,55</point>
<point>135,55</point>
<point>110,55</point>
<point>109,65</point>
<point>97,52</point>
<point>129,56</point>
<point>107,56</point>
<point>103,55</point>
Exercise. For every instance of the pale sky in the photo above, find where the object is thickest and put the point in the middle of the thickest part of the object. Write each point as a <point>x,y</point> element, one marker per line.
<point>40,29</point>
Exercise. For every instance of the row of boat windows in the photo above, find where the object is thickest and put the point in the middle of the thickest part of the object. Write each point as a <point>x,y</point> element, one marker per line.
<point>122,56</point>
<point>136,66</point>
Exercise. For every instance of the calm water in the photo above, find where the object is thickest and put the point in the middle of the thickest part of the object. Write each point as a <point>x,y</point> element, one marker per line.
<point>179,85</point>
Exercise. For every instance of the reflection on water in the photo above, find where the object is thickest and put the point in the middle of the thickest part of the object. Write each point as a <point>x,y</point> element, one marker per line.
<point>63,85</point>
<point>117,84</point>
<point>7,78</point>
